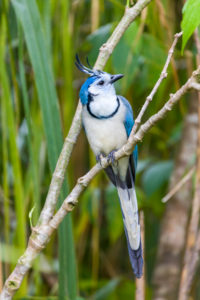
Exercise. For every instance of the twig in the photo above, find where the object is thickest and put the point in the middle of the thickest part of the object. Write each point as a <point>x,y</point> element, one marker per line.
<point>130,15</point>
<point>163,75</point>
<point>42,231</point>
<point>179,185</point>
<point>140,283</point>
<point>195,86</point>
<point>193,236</point>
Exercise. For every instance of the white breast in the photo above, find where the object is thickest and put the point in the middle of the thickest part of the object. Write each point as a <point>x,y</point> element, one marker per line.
<point>105,135</point>
<point>104,105</point>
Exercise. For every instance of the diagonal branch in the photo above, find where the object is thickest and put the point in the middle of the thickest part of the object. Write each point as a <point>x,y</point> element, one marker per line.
<point>131,13</point>
<point>163,75</point>
<point>179,185</point>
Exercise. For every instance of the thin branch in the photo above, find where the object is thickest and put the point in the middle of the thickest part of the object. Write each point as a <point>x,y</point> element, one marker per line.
<point>131,13</point>
<point>163,75</point>
<point>195,86</point>
<point>179,185</point>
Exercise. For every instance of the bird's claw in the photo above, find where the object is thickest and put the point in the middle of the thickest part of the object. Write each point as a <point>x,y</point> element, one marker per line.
<point>111,157</point>
<point>99,158</point>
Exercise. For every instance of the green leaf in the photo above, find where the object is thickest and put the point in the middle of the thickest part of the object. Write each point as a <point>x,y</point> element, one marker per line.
<point>191,19</point>
<point>156,175</point>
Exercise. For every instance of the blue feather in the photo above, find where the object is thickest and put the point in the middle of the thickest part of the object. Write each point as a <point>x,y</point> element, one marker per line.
<point>84,89</point>
<point>128,123</point>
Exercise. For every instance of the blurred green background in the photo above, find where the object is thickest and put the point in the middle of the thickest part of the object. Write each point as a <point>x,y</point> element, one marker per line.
<point>39,86</point>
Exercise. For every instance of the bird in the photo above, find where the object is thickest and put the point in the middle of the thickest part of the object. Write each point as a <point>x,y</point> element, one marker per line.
<point>107,119</point>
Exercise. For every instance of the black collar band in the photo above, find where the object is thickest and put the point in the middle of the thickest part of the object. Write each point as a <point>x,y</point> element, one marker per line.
<point>102,117</point>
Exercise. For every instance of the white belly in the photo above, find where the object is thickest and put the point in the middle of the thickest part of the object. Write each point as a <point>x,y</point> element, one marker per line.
<point>104,135</point>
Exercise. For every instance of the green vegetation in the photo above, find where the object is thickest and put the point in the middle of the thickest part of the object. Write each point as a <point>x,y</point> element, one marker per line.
<point>39,86</point>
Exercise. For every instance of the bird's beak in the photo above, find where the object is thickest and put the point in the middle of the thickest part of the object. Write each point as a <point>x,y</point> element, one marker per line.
<point>116,77</point>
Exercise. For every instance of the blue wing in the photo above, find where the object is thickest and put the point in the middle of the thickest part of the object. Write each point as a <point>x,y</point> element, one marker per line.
<point>128,123</point>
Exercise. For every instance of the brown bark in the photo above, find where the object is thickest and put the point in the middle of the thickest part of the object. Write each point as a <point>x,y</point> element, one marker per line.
<point>174,224</point>
<point>193,236</point>
<point>140,282</point>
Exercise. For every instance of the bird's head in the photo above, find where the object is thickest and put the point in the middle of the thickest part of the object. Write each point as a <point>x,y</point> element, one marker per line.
<point>99,83</point>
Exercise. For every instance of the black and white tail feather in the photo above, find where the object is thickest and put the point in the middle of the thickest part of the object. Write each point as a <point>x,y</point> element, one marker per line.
<point>128,202</point>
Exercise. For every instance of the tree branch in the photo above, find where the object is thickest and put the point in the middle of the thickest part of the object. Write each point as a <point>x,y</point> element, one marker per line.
<point>131,13</point>
<point>163,75</point>
<point>179,185</point>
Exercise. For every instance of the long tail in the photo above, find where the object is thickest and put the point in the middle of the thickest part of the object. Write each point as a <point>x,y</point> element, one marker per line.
<point>128,201</point>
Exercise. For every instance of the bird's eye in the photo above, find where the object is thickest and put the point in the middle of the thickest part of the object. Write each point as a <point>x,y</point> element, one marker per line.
<point>101,82</point>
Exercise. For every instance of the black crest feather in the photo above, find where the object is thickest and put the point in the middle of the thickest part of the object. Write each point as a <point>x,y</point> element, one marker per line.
<point>90,71</point>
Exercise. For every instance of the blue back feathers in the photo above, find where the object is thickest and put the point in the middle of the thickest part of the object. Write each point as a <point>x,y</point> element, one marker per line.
<point>84,89</point>
<point>128,123</point>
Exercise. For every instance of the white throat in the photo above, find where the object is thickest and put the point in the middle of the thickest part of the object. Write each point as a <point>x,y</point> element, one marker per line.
<point>103,105</point>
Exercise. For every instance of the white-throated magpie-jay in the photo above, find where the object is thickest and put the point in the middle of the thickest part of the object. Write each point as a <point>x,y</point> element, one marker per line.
<point>108,119</point>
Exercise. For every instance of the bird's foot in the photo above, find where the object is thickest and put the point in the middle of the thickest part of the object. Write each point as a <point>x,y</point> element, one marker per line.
<point>111,157</point>
<point>99,158</point>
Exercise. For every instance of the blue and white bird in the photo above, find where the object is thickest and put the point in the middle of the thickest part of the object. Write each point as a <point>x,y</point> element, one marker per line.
<point>108,119</point>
